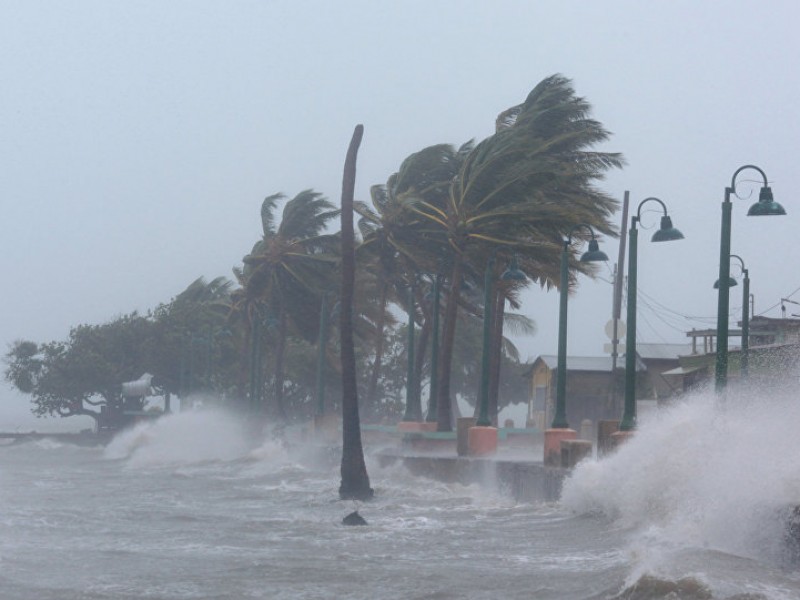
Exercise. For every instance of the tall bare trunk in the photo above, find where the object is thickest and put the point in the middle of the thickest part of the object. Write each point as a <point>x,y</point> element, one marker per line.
<point>355,481</point>
<point>444,402</point>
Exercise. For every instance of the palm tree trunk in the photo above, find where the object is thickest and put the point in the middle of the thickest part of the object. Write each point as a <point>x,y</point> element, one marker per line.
<point>445,409</point>
<point>355,481</point>
<point>496,356</point>
<point>280,352</point>
<point>419,361</point>
<point>377,363</point>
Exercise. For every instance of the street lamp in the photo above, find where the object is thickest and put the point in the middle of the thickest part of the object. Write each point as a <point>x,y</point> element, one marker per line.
<point>765,206</point>
<point>665,233</point>
<point>512,273</point>
<point>593,254</point>
<point>745,360</point>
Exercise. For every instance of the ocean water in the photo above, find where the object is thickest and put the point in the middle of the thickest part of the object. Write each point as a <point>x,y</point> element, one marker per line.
<point>694,507</point>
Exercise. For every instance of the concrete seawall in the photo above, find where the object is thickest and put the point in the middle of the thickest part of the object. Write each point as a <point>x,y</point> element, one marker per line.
<point>525,481</point>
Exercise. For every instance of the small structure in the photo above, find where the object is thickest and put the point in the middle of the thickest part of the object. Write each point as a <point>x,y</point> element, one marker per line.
<point>590,389</point>
<point>774,354</point>
<point>594,392</point>
<point>132,406</point>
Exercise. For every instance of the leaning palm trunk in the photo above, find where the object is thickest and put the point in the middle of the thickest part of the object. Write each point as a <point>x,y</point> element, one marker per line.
<point>355,481</point>
<point>444,421</point>
<point>378,362</point>
<point>496,349</point>
<point>419,361</point>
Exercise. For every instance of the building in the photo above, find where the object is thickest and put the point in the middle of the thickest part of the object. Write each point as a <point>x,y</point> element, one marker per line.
<point>774,354</point>
<point>594,392</point>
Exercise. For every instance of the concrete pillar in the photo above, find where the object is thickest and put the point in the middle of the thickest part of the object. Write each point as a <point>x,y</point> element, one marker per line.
<point>552,445</point>
<point>463,425</point>
<point>326,428</point>
<point>605,429</point>
<point>574,451</point>
<point>586,430</point>
<point>620,437</point>
<point>414,426</point>
<point>482,441</point>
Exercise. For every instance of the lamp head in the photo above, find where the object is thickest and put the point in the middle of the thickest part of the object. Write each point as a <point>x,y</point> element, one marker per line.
<point>667,233</point>
<point>766,205</point>
<point>731,283</point>
<point>513,272</point>
<point>594,254</point>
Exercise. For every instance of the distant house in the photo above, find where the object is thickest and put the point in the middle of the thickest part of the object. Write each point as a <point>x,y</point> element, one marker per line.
<point>594,392</point>
<point>774,353</point>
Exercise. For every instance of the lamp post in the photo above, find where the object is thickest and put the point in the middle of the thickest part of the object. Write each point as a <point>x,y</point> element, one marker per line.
<point>745,359</point>
<point>765,206</point>
<point>593,254</point>
<point>512,273</point>
<point>665,233</point>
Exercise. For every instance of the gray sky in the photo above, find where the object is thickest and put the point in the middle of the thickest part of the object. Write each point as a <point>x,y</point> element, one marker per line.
<point>139,138</point>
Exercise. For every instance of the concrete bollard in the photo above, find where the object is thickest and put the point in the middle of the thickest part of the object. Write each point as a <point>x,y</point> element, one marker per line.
<point>326,428</point>
<point>574,451</point>
<point>552,445</point>
<point>586,430</point>
<point>482,441</point>
<point>463,425</point>
<point>411,426</point>
<point>605,429</point>
<point>620,437</point>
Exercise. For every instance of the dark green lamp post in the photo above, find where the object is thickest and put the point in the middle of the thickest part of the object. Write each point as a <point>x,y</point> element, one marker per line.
<point>593,254</point>
<point>765,206</point>
<point>745,360</point>
<point>666,233</point>
<point>433,407</point>
<point>512,273</point>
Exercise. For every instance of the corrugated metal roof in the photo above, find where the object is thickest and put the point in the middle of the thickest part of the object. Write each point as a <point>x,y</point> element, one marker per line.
<point>663,351</point>
<point>684,370</point>
<point>587,363</point>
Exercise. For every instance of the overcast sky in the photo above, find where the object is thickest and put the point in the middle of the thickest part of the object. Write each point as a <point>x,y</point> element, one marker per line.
<point>138,139</point>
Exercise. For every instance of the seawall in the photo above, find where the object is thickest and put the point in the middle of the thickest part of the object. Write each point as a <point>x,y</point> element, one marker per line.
<point>525,481</point>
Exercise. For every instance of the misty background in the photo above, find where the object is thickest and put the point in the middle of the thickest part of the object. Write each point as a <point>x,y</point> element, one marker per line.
<point>140,138</point>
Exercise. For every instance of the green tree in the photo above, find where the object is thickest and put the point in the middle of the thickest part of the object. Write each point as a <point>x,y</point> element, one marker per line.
<point>84,373</point>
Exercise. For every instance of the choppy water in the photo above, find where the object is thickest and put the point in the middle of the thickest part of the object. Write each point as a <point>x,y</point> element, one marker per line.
<point>184,509</point>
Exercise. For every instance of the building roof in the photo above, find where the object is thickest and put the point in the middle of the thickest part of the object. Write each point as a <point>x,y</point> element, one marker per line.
<point>662,351</point>
<point>586,363</point>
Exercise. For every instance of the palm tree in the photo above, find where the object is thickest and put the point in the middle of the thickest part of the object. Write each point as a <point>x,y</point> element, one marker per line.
<point>286,272</point>
<point>520,190</point>
<point>355,480</point>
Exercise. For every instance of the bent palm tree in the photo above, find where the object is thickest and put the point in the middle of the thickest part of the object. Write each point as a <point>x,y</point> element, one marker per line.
<point>520,190</point>
<point>286,270</point>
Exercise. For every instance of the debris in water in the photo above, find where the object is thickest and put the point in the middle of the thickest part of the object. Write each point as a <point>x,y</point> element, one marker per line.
<point>354,519</point>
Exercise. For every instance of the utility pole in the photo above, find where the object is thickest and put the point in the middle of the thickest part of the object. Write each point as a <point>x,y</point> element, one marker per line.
<point>616,309</point>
